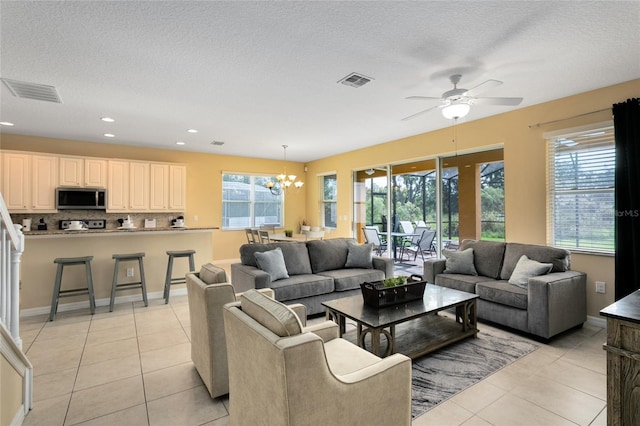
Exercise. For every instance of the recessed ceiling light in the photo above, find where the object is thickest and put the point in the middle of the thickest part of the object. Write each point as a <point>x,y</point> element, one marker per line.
<point>179,143</point>
<point>6,123</point>
<point>110,135</point>
<point>217,143</point>
<point>192,131</point>
<point>107,119</point>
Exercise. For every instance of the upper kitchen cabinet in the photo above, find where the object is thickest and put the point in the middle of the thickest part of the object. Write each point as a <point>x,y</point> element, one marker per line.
<point>177,188</point>
<point>29,182</point>
<point>83,172</point>
<point>159,187</point>
<point>139,186</point>
<point>118,186</point>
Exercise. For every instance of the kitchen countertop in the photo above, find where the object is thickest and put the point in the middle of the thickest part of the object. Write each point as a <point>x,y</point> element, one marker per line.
<point>56,233</point>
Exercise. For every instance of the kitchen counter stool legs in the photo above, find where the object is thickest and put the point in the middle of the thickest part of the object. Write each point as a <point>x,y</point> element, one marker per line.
<point>169,280</point>
<point>58,292</point>
<point>127,286</point>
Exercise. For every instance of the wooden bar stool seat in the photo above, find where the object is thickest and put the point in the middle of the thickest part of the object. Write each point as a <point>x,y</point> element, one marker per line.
<point>58,292</point>
<point>132,257</point>
<point>169,279</point>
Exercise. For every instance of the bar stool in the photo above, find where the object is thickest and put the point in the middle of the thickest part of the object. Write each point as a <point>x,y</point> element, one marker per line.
<point>58,293</point>
<point>132,257</point>
<point>169,280</point>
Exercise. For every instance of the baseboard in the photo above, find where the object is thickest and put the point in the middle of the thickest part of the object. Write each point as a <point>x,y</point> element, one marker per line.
<point>18,419</point>
<point>597,321</point>
<point>65,307</point>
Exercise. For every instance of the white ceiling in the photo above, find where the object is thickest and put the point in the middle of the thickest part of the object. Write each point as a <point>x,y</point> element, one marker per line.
<point>257,75</point>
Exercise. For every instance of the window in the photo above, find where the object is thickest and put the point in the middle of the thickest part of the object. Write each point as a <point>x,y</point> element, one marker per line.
<point>581,190</point>
<point>329,201</point>
<point>246,202</point>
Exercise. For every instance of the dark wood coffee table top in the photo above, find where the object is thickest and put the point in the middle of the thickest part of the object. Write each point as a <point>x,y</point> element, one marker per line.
<point>435,299</point>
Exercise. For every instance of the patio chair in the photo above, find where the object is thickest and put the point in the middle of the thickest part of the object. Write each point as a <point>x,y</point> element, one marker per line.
<point>406,227</point>
<point>421,243</point>
<point>371,236</point>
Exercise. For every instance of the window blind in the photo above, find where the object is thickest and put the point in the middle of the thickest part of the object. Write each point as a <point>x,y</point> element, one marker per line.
<point>581,177</point>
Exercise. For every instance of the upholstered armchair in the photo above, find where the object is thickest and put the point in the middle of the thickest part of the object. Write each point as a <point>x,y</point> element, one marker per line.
<point>283,373</point>
<point>208,291</point>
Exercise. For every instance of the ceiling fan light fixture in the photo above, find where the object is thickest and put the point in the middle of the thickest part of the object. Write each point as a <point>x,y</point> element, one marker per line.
<point>457,110</point>
<point>369,172</point>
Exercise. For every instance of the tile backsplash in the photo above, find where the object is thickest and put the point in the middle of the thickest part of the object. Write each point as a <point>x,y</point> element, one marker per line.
<point>163,220</point>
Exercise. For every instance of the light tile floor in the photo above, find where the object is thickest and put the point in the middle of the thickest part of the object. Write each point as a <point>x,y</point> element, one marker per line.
<point>133,367</point>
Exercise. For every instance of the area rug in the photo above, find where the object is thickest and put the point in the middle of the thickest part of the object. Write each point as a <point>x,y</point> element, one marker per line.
<point>440,375</point>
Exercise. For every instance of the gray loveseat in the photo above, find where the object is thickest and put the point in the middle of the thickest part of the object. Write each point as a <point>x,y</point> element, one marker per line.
<point>316,269</point>
<point>545,305</point>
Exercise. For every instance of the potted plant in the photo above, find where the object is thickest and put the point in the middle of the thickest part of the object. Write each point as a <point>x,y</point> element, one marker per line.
<point>288,233</point>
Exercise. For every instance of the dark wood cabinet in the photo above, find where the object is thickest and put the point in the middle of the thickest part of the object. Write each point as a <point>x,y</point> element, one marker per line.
<point>623,361</point>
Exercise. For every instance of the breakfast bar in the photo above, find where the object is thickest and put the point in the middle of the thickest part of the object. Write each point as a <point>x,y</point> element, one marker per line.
<point>42,247</point>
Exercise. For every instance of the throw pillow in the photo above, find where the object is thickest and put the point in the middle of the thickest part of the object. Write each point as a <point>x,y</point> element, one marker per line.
<point>459,262</point>
<point>272,262</point>
<point>359,256</point>
<point>212,274</point>
<point>276,316</point>
<point>527,268</point>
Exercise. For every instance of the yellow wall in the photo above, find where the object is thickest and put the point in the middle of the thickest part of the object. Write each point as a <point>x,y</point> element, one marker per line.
<point>10,392</point>
<point>525,168</point>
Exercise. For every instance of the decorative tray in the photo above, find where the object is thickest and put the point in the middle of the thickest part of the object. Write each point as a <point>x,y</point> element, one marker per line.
<point>375,294</point>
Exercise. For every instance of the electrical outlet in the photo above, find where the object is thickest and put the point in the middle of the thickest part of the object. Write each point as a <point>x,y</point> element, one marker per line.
<point>600,286</point>
<point>130,272</point>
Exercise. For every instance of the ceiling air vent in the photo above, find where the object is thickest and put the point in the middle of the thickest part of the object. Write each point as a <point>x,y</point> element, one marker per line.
<point>38,92</point>
<point>355,80</point>
<point>217,143</point>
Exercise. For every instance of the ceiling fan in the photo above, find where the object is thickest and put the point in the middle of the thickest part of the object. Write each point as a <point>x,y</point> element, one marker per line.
<point>456,103</point>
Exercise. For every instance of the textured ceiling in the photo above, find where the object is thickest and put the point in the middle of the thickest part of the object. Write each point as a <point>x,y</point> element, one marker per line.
<point>257,75</point>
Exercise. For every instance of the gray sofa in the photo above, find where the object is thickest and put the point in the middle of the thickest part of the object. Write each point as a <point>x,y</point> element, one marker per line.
<point>316,269</point>
<point>545,305</point>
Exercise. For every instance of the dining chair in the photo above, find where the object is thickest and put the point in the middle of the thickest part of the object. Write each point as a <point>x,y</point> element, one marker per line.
<point>314,235</point>
<point>264,236</point>
<point>249,234</point>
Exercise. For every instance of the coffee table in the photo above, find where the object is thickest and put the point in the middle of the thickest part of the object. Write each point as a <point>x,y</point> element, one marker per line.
<point>414,328</point>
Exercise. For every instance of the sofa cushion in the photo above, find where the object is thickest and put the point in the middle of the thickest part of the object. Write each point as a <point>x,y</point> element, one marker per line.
<point>487,256</point>
<point>300,286</point>
<point>350,279</point>
<point>459,262</point>
<point>527,268</point>
<point>503,293</point>
<point>560,258</point>
<point>327,255</point>
<point>296,256</point>
<point>212,274</point>
<point>359,255</point>
<point>459,282</point>
<point>276,316</point>
<point>272,262</point>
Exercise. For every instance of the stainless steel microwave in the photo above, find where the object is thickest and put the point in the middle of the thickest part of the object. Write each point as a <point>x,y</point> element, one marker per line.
<point>81,198</point>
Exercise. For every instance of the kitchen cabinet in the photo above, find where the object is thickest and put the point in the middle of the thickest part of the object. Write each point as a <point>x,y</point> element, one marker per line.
<point>29,182</point>
<point>159,187</point>
<point>177,188</point>
<point>139,186</point>
<point>81,172</point>
<point>44,182</point>
<point>118,186</point>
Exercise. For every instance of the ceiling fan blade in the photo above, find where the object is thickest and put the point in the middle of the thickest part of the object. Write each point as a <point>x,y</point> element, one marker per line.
<point>423,98</point>
<point>482,87</point>
<point>420,113</point>
<point>497,101</point>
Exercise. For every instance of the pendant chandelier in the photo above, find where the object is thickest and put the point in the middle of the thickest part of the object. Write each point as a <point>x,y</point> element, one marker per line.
<point>284,181</point>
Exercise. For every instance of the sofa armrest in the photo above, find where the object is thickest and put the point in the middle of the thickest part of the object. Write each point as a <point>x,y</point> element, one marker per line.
<point>431,268</point>
<point>557,302</point>
<point>245,277</point>
<point>383,264</point>
<point>300,310</point>
<point>326,330</point>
